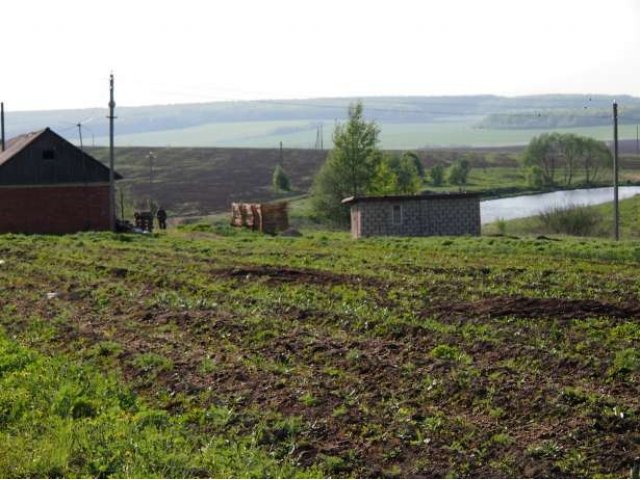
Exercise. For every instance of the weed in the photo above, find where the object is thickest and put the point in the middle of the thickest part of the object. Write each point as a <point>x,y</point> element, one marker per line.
<point>353,355</point>
<point>340,411</point>
<point>625,361</point>
<point>434,423</point>
<point>152,362</point>
<point>548,449</point>
<point>208,365</point>
<point>450,352</point>
<point>333,464</point>
<point>502,439</point>
<point>309,400</point>
<point>105,349</point>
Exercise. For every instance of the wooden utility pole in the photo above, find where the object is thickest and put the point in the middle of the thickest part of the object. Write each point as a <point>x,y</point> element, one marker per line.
<point>112,186</point>
<point>616,212</point>
<point>2,123</point>
<point>79,125</point>
<point>150,156</point>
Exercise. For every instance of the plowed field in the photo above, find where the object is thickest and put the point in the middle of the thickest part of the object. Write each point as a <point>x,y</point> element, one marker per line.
<point>391,357</point>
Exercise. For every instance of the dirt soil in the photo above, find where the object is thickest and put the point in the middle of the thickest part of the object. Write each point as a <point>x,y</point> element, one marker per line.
<point>369,398</point>
<point>525,307</point>
<point>504,386</point>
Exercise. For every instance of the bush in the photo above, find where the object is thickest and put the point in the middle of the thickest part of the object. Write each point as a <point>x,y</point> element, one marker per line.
<point>437,175</point>
<point>458,173</point>
<point>572,220</point>
<point>501,225</point>
<point>280,180</point>
<point>535,177</point>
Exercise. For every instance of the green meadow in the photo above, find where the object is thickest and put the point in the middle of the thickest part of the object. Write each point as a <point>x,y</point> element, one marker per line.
<point>456,132</point>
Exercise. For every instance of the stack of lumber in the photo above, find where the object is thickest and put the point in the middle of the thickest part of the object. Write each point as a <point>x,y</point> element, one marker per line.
<point>264,217</point>
<point>144,220</point>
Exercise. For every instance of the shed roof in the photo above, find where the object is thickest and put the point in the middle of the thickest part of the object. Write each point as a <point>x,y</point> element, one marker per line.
<point>402,198</point>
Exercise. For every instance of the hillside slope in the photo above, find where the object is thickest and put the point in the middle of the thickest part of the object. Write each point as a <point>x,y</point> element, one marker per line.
<point>409,122</point>
<point>201,181</point>
<point>198,181</point>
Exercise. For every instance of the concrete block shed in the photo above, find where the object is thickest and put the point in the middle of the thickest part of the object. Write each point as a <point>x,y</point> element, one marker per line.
<point>48,185</point>
<point>415,215</point>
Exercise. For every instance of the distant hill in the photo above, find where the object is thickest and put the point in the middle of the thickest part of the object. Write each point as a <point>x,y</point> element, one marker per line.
<point>406,122</point>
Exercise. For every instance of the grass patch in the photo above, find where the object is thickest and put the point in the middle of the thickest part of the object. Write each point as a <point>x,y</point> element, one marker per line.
<point>60,418</point>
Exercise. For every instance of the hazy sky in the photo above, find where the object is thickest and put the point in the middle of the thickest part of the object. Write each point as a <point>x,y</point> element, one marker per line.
<point>58,54</point>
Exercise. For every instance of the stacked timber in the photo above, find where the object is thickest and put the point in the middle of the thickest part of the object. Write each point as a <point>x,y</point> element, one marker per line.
<point>144,221</point>
<point>263,217</point>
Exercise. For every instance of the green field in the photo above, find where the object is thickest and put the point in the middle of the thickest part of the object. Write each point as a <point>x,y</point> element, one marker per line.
<point>407,122</point>
<point>210,352</point>
<point>458,132</point>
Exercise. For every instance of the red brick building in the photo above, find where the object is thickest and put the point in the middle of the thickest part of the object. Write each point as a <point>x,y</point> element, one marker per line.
<point>48,185</point>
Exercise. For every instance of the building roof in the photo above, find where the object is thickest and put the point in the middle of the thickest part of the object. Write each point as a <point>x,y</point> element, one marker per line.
<point>17,144</point>
<point>402,198</point>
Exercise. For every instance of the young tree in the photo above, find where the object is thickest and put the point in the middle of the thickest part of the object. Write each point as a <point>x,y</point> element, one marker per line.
<point>385,181</point>
<point>458,173</point>
<point>280,180</point>
<point>437,175</point>
<point>396,175</point>
<point>408,179</point>
<point>544,153</point>
<point>552,152</point>
<point>413,157</point>
<point>535,177</point>
<point>595,158</point>
<point>349,168</point>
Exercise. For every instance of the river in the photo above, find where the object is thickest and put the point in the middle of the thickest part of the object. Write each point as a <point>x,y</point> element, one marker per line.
<point>529,205</point>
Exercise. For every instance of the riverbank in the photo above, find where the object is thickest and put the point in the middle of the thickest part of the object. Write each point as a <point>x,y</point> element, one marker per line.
<point>600,215</point>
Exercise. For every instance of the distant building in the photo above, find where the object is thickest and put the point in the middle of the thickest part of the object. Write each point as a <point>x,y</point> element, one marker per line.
<point>48,185</point>
<point>415,215</point>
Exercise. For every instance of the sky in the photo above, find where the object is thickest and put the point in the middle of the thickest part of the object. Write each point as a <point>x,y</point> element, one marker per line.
<point>59,54</point>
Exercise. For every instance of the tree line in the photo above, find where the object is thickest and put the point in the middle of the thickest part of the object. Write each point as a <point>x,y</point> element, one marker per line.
<point>553,159</point>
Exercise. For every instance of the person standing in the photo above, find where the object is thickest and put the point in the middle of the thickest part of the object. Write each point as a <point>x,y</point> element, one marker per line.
<point>162,219</point>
